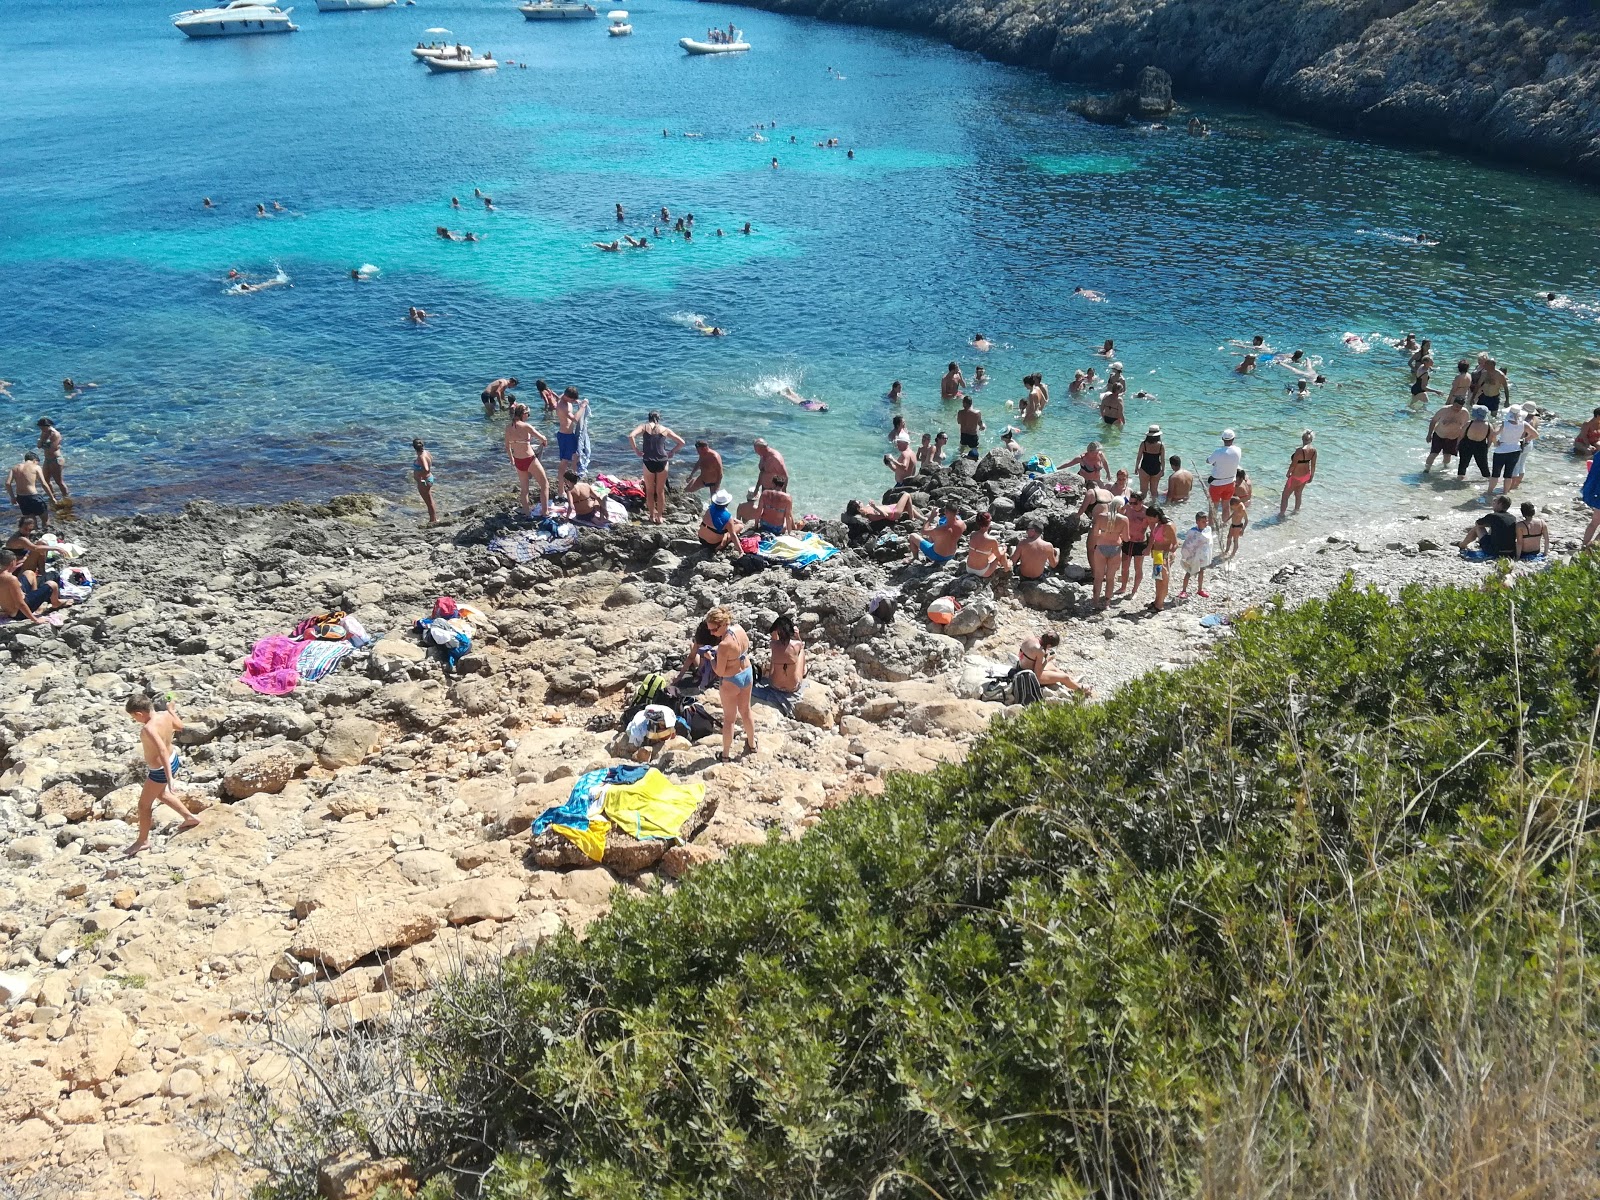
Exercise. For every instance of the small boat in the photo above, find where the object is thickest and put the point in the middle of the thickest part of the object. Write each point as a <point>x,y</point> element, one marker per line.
<point>441,51</point>
<point>553,10</point>
<point>691,46</point>
<point>351,5</point>
<point>442,66</point>
<point>619,23</point>
<point>235,19</point>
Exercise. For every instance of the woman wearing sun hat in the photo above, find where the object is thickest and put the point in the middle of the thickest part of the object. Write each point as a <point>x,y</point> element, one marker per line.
<point>1151,464</point>
<point>719,528</point>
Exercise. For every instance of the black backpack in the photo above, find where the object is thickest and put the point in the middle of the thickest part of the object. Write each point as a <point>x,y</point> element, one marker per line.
<point>695,720</point>
<point>1033,496</point>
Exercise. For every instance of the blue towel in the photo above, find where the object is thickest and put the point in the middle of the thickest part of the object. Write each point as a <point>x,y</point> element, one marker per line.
<point>589,787</point>
<point>1591,483</point>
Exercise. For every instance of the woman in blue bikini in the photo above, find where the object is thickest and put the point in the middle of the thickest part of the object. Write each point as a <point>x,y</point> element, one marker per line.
<point>422,472</point>
<point>737,679</point>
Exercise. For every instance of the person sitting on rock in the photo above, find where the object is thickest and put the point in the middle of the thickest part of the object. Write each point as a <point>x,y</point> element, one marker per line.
<point>939,540</point>
<point>1034,557</point>
<point>586,506</point>
<point>775,509</point>
<point>22,596</point>
<point>1037,654</point>
<point>699,667</point>
<point>31,554</point>
<point>986,556</point>
<point>786,676</point>
<point>719,528</point>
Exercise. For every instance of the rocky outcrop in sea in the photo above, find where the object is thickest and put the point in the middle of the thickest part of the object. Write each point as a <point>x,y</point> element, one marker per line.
<point>1519,82</point>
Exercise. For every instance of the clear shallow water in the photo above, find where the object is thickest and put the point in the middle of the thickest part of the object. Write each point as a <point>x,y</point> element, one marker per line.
<point>975,202</point>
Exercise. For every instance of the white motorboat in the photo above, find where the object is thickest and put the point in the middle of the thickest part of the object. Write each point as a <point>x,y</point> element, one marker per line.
<point>442,66</point>
<point>438,50</point>
<point>235,19</point>
<point>351,5</point>
<point>691,46</point>
<point>554,10</point>
<point>619,26</point>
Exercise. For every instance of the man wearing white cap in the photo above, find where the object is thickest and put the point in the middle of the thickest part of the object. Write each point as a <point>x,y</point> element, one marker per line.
<point>1224,463</point>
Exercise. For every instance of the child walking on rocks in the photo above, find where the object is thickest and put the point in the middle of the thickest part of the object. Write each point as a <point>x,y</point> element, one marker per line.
<point>161,766</point>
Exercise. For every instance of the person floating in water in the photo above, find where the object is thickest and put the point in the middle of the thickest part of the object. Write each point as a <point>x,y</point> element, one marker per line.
<point>795,398</point>
<point>1109,350</point>
<point>620,216</point>
<point>705,330</point>
<point>261,210</point>
<point>641,243</point>
<point>981,343</point>
<point>206,203</point>
<point>1089,294</point>
<point>611,247</point>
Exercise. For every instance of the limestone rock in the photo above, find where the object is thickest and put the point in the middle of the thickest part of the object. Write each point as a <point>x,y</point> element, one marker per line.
<point>183,1083</point>
<point>427,868</point>
<point>815,707</point>
<point>206,892</point>
<point>587,889</point>
<point>356,1177</point>
<point>348,741</point>
<point>95,1043</point>
<point>493,899</point>
<point>680,860</point>
<point>30,849</point>
<point>25,1090</point>
<point>266,770</point>
<point>373,1006</point>
<point>338,938</point>
<point>68,799</point>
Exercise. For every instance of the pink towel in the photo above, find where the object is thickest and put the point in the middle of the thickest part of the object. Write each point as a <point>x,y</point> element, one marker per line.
<point>272,668</point>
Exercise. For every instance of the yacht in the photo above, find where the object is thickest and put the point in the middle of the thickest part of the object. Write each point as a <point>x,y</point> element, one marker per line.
<point>351,5</point>
<point>554,10</point>
<point>235,19</point>
<point>619,26</point>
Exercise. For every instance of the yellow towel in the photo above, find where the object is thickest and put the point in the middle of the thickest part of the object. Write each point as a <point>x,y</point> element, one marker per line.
<point>655,807</point>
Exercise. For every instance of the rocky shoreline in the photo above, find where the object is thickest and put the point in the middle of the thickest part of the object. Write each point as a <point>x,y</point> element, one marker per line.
<point>371,830</point>
<point>1518,83</point>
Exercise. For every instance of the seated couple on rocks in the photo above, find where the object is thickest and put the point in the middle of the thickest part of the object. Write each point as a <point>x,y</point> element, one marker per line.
<point>25,593</point>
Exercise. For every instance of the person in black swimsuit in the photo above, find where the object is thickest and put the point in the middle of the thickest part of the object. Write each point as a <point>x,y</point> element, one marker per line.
<point>1475,443</point>
<point>1151,464</point>
<point>650,442</point>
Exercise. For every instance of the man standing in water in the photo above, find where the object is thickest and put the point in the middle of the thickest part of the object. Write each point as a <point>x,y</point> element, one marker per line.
<point>769,465</point>
<point>28,489</point>
<point>970,421</point>
<point>952,383</point>
<point>1445,430</point>
<point>1180,482</point>
<point>1224,462</point>
<point>570,414</point>
<point>520,438</point>
<point>161,763</point>
<point>50,443</point>
<point>494,394</point>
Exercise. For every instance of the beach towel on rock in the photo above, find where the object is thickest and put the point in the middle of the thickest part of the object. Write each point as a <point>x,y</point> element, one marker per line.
<point>797,549</point>
<point>654,807</point>
<point>317,659</point>
<point>273,666</point>
<point>584,817</point>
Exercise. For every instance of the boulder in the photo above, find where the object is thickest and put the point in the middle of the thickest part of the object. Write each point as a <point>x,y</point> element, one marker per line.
<point>339,937</point>
<point>625,856</point>
<point>26,1090</point>
<point>355,1176</point>
<point>815,707</point>
<point>586,889</point>
<point>395,658</point>
<point>69,800</point>
<point>978,613</point>
<point>998,465</point>
<point>348,741</point>
<point>1154,91</point>
<point>678,861</point>
<point>205,892</point>
<point>493,899</point>
<point>30,849</point>
<point>95,1043</point>
<point>625,596</point>
<point>1051,594</point>
<point>266,770</point>
<point>428,868</point>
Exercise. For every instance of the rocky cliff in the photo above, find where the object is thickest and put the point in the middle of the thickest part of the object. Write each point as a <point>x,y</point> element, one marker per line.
<point>1510,80</point>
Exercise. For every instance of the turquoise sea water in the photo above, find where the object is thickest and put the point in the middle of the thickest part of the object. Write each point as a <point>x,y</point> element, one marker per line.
<point>974,202</point>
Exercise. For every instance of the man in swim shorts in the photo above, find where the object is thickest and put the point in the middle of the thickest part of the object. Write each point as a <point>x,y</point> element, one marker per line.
<point>939,541</point>
<point>769,465</point>
<point>1034,556</point>
<point>1224,462</point>
<point>1445,430</point>
<point>23,596</point>
<point>1180,482</point>
<point>29,489</point>
<point>570,412</point>
<point>707,472</point>
<point>162,764</point>
<point>970,422</point>
<point>494,394</point>
<point>952,383</point>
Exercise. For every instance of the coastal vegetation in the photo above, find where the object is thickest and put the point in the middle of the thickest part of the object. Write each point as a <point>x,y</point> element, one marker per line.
<point>1308,918</point>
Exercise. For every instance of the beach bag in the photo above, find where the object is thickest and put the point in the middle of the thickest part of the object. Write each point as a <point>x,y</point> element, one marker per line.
<point>444,608</point>
<point>325,627</point>
<point>750,564</point>
<point>654,688</point>
<point>695,720</point>
<point>1025,688</point>
<point>1033,496</point>
<point>943,610</point>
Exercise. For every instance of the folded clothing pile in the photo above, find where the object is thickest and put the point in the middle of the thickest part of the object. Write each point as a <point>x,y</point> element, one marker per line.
<point>277,665</point>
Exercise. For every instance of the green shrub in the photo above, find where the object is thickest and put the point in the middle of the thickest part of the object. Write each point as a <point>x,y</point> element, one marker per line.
<point>1328,882</point>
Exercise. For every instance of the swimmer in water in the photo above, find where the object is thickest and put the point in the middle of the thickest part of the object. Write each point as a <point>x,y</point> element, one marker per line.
<point>795,398</point>
<point>261,210</point>
<point>893,395</point>
<point>705,330</point>
<point>1090,295</point>
<point>642,243</point>
<point>1247,366</point>
<point>619,211</point>
<point>746,228</point>
<point>1109,350</point>
<point>610,247</point>
<point>981,343</point>
<point>206,203</point>
<point>276,207</point>
<point>488,204</point>
<point>455,202</point>
<point>979,377</point>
